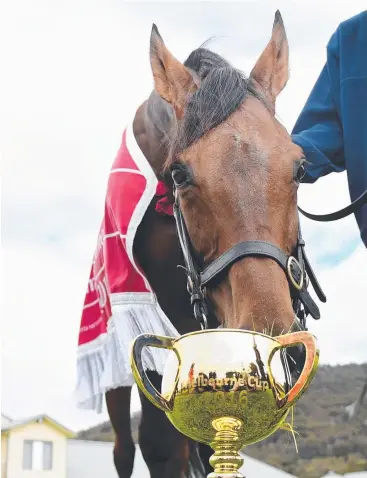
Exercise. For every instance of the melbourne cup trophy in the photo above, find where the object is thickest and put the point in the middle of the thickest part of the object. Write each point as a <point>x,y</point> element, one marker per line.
<point>226,388</point>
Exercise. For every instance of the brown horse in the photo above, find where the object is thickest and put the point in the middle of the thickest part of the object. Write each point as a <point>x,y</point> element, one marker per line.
<point>236,173</point>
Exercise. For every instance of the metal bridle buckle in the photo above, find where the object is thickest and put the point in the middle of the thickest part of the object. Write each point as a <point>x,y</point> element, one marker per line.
<point>297,283</point>
<point>307,280</point>
<point>190,285</point>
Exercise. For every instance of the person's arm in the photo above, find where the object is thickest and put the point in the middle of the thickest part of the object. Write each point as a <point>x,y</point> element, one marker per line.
<point>318,130</point>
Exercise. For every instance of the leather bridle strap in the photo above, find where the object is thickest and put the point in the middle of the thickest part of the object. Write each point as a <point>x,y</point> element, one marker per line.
<point>292,268</point>
<point>241,250</point>
<point>198,280</point>
<point>334,216</point>
<point>305,264</point>
<point>194,286</point>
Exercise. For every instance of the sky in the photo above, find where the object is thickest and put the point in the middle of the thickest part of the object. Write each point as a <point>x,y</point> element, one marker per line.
<point>76,72</point>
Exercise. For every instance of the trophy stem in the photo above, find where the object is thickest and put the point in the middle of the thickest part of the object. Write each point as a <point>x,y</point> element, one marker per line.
<point>226,460</point>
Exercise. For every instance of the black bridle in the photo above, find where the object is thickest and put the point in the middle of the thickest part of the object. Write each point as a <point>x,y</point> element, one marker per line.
<point>297,268</point>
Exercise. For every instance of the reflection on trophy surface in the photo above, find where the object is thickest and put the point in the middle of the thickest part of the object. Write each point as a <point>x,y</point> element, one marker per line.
<point>226,388</point>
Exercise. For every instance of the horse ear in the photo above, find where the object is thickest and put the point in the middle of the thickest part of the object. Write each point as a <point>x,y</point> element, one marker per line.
<point>271,69</point>
<point>172,80</point>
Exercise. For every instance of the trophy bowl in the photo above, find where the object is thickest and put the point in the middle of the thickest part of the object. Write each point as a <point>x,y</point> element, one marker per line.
<point>226,388</point>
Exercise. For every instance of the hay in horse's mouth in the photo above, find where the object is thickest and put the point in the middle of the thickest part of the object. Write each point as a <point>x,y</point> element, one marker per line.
<point>289,427</point>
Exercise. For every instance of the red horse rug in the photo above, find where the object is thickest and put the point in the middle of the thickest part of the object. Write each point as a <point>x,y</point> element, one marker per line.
<point>119,302</point>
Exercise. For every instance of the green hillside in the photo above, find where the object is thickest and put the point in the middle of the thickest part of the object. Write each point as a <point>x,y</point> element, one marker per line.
<point>327,439</point>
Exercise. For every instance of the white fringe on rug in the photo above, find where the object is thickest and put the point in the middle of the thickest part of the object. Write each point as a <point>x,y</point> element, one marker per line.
<point>104,364</point>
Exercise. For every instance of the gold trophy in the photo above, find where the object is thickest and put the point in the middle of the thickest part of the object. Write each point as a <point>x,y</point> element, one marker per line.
<point>225,387</point>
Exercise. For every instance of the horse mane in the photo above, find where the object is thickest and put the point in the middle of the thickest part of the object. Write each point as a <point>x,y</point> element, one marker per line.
<point>222,90</point>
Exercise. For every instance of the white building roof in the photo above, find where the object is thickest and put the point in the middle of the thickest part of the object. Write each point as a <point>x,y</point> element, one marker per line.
<point>5,421</point>
<point>255,469</point>
<point>356,474</point>
<point>12,424</point>
<point>92,459</point>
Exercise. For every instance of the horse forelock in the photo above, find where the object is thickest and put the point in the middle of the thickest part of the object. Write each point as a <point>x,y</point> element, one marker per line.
<point>222,90</point>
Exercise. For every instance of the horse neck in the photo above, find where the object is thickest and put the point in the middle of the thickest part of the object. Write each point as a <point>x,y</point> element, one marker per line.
<point>151,127</point>
<point>156,246</point>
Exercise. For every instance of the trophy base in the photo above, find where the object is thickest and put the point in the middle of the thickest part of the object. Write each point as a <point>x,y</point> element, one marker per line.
<point>226,460</point>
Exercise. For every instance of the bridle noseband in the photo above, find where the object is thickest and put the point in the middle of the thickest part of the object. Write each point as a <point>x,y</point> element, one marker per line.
<point>296,267</point>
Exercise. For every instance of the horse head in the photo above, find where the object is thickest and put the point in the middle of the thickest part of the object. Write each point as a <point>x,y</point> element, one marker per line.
<point>234,173</point>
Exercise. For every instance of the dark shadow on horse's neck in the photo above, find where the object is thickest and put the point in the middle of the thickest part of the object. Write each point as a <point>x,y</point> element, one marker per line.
<point>156,245</point>
<point>160,115</point>
<point>151,126</point>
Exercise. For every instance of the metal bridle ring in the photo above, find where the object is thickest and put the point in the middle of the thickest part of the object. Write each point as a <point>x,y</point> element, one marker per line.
<point>297,285</point>
<point>200,315</point>
<point>203,322</point>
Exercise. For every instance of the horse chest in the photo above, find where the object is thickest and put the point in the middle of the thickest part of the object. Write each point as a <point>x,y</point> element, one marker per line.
<point>157,250</point>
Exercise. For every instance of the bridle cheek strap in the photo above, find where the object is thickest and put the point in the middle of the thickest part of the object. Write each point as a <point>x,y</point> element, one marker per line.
<point>194,287</point>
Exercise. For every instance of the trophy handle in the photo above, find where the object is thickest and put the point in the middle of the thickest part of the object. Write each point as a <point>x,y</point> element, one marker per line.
<point>309,369</point>
<point>142,380</point>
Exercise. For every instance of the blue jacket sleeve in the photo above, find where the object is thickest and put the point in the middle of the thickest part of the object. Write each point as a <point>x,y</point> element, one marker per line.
<point>318,130</point>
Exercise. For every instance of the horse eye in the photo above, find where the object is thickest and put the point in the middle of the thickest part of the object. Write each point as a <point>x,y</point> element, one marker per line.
<point>180,176</point>
<point>299,172</point>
